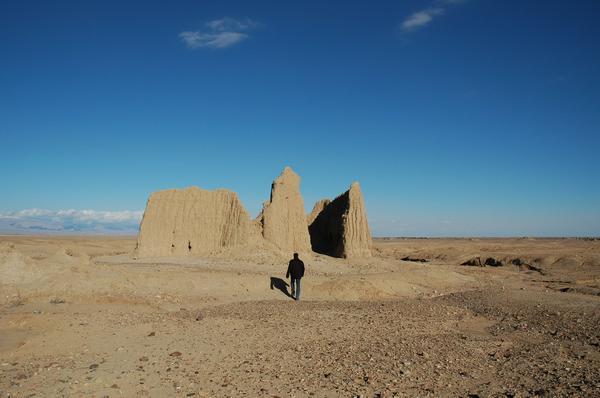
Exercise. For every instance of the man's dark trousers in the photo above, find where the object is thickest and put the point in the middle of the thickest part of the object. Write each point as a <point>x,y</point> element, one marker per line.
<point>296,288</point>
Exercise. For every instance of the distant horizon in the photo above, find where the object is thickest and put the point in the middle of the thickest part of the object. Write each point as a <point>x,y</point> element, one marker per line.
<point>123,223</point>
<point>458,117</point>
<point>67,234</point>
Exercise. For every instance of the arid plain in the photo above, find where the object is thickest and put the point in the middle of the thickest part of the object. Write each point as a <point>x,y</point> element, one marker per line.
<point>81,316</point>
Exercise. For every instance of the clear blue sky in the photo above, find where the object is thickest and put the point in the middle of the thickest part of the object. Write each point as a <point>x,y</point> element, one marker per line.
<point>475,117</point>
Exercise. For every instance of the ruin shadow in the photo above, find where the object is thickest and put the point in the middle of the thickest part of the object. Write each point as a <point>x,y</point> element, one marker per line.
<point>281,285</point>
<point>327,230</point>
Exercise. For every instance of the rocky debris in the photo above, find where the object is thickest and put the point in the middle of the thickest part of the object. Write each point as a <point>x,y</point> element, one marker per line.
<point>523,265</point>
<point>518,262</point>
<point>518,343</point>
<point>282,218</point>
<point>589,290</point>
<point>409,355</point>
<point>520,311</point>
<point>477,262</point>
<point>341,228</point>
<point>192,221</point>
<point>492,262</point>
<point>474,262</point>
<point>415,259</point>
<point>16,301</point>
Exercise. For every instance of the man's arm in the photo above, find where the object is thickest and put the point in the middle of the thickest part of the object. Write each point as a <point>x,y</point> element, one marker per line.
<point>287,275</point>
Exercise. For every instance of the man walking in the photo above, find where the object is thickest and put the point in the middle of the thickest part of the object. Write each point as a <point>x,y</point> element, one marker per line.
<point>296,272</point>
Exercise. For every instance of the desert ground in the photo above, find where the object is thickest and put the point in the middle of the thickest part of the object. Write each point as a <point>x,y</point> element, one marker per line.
<point>81,316</point>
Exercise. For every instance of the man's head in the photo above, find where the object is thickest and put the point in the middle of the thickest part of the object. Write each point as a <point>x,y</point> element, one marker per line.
<point>295,256</point>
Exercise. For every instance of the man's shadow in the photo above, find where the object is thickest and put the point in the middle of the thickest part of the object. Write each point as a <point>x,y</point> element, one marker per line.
<point>281,285</point>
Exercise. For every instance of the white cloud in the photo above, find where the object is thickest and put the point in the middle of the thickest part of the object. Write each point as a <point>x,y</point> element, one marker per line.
<point>219,33</point>
<point>231,25</point>
<point>420,18</point>
<point>70,220</point>
<point>212,40</point>
<point>424,17</point>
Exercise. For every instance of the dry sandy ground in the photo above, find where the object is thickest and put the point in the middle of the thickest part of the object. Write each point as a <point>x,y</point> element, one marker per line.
<point>80,317</point>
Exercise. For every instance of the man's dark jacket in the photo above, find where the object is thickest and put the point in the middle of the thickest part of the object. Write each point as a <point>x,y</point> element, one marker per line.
<point>295,269</point>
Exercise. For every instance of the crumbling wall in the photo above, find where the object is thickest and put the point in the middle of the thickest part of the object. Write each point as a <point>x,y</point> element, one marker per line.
<point>341,228</point>
<point>317,209</point>
<point>192,221</point>
<point>283,217</point>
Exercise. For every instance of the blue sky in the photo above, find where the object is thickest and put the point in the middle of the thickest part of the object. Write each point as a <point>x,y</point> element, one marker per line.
<point>459,118</point>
